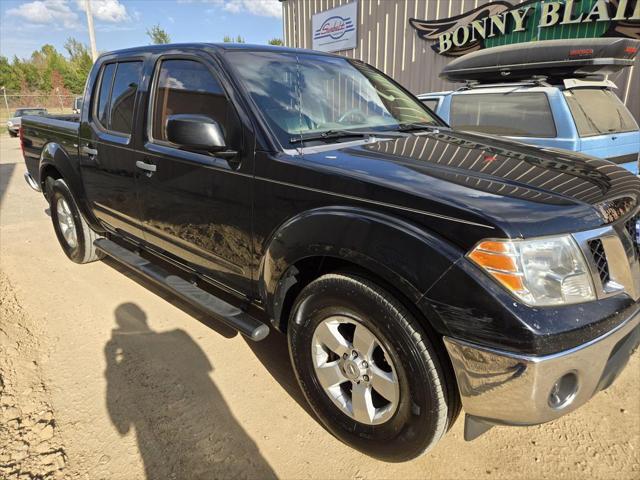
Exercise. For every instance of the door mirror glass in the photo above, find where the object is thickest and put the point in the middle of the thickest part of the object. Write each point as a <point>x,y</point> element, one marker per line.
<point>196,132</point>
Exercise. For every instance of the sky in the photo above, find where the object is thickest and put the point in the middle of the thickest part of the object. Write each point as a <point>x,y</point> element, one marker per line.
<point>26,25</point>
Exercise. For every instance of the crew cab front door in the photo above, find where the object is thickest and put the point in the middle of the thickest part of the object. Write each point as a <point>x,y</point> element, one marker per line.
<point>196,205</point>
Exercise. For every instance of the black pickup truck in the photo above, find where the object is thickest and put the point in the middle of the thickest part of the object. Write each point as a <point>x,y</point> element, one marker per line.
<point>415,270</point>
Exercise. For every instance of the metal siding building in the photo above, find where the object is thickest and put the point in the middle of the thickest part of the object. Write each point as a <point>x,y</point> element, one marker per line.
<point>387,41</point>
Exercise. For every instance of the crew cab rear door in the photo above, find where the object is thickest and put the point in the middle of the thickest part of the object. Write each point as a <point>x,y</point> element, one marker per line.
<point>196,205</point>
<point>106,143</point>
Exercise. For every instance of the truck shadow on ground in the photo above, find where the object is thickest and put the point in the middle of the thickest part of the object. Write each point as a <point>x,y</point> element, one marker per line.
<point>273,352</point>
<point>159,386</point>
<point>6,171</point>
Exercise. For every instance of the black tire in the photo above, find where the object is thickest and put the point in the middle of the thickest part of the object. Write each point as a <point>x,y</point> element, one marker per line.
<point>12,134</point>
<point>83,251</point>
<point>428,401</point>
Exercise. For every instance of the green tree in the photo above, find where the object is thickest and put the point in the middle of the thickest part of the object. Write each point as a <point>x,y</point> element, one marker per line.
<point>9,76</point>
<point>46,61</point>
<point>26,74</point>
<point>158,35</point>
<point>80,64</point>
<point>229,39</point>
<point>276,41</point>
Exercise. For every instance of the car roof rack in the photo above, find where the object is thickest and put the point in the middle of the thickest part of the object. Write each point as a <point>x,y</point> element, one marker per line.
<point>536,80</point>
<point>594,58</point>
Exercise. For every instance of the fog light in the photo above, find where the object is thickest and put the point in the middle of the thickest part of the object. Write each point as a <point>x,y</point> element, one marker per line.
<point>563,391</point>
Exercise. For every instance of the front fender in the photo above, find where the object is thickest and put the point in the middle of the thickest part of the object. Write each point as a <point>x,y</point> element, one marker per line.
<point>404,255</point>
<point>54,155</point>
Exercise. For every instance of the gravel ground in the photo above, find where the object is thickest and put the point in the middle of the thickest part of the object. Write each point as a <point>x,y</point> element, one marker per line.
<point>30,446</point>
<point>105,377</point>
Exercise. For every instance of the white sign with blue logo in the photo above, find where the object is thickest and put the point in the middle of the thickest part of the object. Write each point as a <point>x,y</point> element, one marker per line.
<point>336,29</point>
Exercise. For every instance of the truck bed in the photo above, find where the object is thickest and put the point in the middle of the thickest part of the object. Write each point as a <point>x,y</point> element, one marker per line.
<point>39,130</point>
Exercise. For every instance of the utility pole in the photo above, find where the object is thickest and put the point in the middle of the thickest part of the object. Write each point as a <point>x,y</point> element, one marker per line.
<point>92,34</point>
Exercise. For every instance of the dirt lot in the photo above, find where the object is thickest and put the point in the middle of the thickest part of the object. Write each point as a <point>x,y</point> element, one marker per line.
<point>102,378</point>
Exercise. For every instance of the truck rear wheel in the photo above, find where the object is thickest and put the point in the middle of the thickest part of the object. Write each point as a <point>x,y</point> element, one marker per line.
<point>367,368</point>
<point>73,232</point>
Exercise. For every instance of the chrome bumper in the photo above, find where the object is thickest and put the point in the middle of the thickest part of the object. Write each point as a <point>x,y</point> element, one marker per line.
<point>503,388</point>
<point>31,182</point>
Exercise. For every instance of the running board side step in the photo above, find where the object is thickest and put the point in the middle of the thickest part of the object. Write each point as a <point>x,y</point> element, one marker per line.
<point>231,316</point>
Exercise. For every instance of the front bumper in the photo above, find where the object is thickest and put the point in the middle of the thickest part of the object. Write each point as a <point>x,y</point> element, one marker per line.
<point>503,388</point>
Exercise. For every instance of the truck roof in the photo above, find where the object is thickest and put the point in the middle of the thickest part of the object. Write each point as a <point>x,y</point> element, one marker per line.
<point>214,46</point>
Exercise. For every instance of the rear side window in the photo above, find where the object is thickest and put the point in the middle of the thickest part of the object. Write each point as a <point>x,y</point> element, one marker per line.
<point>118,88</point>
<point>599,112</point>
<point>123,95</point>
<point>513,114</point>
<point>187,87</point>
<point>103,97</point>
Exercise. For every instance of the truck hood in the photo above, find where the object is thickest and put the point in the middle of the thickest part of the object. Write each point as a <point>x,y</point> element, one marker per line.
<point>512,188</point>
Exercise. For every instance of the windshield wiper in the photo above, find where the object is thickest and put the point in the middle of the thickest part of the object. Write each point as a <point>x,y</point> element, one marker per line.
<point>336,134</point>
<point>408,127</point>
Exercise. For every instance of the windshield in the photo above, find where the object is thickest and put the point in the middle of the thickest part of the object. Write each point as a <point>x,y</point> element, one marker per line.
<point>304,95</point>
<point>599,112</point>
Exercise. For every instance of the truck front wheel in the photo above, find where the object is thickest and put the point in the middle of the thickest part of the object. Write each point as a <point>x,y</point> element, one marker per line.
<point>367,368</point>
<point>73,232</point>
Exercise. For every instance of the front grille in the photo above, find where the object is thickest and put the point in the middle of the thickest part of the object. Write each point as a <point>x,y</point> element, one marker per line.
<point>631,227</point>
<point>613,255</point>
<point>600,259</point>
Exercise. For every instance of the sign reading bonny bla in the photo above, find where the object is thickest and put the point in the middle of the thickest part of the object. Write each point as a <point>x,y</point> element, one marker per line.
<point>336,29</point>
<point>502,23</point>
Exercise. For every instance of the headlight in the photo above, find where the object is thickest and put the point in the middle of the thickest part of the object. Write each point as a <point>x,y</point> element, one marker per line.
<point>9,124</point>
<point>540,272</point>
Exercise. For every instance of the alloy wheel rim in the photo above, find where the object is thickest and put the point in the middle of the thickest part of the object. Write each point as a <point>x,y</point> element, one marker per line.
<point>355,370</point>
<point>66,223</point>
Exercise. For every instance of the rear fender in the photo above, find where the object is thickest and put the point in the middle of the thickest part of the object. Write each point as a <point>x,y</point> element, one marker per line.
<point>405,256</point>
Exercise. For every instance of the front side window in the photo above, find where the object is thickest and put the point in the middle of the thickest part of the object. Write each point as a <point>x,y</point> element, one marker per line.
<point>187,87</point>
<point>599,112</point>
<point>302,94</point>
<point>516,114</point>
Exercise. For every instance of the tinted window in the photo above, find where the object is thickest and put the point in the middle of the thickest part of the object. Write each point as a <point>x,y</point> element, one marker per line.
<point>103,97</point>
<point>187,87</point>
<point>432,103</point>
<point>30,111</point>
<point>514,114</point>
<point>123,96</point>
<point>598,112</point>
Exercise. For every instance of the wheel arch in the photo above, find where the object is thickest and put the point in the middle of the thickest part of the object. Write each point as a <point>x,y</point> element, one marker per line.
<point>56,163</point>
<point>383,248</point>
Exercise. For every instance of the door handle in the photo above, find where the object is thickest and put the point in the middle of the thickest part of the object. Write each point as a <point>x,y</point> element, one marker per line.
<point>145,166</point>
<point>87,150</point>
